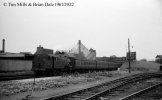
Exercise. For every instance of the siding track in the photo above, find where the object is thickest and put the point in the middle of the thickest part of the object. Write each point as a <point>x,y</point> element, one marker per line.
<point>151,93</point>
<point>94,93</point>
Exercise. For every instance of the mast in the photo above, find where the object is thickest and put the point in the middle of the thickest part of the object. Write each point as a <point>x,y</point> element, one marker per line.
<point>129,53</point>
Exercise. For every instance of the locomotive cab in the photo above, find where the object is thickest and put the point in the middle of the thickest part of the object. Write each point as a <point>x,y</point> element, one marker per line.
<point>42,63</point>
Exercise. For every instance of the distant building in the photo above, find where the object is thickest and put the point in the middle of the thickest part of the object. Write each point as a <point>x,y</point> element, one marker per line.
<point>92,54</point>
<point>159,59</point>
<point>41,50</point>
<point>26,53</point>
<point>112,59</point>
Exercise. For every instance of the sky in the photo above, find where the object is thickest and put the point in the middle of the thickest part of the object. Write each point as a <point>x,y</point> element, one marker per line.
<point>104,25</point>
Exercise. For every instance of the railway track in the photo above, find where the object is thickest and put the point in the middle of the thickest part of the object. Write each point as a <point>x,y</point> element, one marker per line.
<point>94,93</point>
<point>16,77</point>
<point>151,93</point>
<point>21,76</point>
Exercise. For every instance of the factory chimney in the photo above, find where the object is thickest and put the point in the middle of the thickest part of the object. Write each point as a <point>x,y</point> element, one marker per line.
<point>3,46</point>
<point>79,43</point>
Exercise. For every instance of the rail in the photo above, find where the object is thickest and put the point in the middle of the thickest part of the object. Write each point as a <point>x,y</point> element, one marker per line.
<point>141,91</point>
<point>96,91</point>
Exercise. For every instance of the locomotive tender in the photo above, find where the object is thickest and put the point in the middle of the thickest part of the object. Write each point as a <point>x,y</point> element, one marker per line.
<point>49,64</point>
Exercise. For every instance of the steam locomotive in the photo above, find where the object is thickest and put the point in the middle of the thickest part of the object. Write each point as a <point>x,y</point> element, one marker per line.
<point>50,64</point>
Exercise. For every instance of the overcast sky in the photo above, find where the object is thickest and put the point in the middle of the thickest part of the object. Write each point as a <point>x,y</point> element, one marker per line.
<point>104,25</point>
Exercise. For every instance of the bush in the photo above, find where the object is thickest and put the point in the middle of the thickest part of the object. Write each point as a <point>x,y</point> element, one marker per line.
<point>143,60</point>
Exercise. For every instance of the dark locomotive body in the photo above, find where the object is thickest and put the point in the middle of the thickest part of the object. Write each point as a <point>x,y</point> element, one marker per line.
<point>49,64</point>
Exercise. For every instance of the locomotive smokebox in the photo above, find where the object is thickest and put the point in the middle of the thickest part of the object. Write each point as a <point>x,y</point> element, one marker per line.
<point>3,45</point>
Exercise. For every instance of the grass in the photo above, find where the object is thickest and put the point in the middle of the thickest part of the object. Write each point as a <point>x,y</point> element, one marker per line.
<point>142,66</point>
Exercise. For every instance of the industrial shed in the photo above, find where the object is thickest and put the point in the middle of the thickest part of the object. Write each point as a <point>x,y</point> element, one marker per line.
<point>15,62</point>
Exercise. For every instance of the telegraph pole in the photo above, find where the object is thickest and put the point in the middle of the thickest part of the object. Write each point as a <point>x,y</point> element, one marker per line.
<point>129,54</point>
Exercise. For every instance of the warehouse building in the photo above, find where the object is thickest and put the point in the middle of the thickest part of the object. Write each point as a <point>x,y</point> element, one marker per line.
<point>15,61</point>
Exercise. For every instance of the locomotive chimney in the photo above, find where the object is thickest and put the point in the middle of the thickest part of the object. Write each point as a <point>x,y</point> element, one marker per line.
<point>3,45</point>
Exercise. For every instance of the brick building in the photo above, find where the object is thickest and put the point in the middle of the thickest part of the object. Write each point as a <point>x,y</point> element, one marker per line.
<point>41,50</point>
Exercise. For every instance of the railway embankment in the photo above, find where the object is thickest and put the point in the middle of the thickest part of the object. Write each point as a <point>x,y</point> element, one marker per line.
<point>143,66</point>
